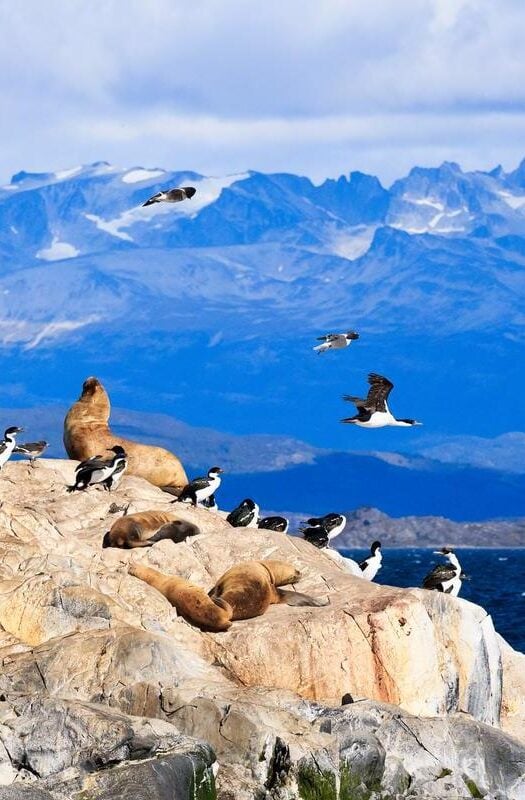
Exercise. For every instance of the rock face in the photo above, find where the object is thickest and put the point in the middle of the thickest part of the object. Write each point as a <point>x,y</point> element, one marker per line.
<point>90,651</point>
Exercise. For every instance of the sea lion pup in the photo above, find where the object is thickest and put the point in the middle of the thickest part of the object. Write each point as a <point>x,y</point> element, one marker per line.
<point>249,588</point>
<point>192,602</point>
<point>87,432</point>
<point>147,527</point>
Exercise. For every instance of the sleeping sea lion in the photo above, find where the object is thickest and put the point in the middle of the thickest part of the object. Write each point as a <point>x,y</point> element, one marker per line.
<point>87,432</point>
<point>250,587</point>
<point>147,527</point>
<point>192,602</point>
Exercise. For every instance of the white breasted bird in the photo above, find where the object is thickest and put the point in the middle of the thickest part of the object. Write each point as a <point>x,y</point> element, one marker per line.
<point>172,195</point>
<point>245,515</point>
<point>279,524</point>
<point>8,444</point>
<point>96,469</point>
<point>373,412</point>
<point>319,531</point>
<point>31,450</point>
<point>372,564</point>
<point>445,577</point>
<point>200,489</point>
<point>335,341</point>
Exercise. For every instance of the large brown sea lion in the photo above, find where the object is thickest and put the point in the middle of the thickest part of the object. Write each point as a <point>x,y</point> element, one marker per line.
<point>244,591</point>
<point>250,587</point>
<point>147,527</point>
<point>87,433</point>
<point>191,602</point>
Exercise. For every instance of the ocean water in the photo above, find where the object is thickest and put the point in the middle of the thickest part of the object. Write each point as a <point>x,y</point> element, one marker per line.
<point>497,581</point>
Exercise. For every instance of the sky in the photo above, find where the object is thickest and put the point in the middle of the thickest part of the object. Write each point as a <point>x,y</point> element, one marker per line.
<point>221,86</point>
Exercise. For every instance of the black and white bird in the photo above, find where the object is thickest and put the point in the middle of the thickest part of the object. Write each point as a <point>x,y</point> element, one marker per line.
<point>200,489</point>
<point>279,524</point>
<point>335,341</point>
<point>209,503</point>
<point>245,515</point>
<point>8,444</point>
<point>445,577</point>
<point>371,565</point>
<point>96,469</point>
<point>32,450</point>
<point>321,530</point>
<point>172,196</point>
<point>373,412</point>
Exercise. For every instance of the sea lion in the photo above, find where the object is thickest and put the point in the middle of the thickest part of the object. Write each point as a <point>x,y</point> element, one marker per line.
<point>87,432</point>
<point>191,602</point>
<point>250,587</point>
<point>147,527</point>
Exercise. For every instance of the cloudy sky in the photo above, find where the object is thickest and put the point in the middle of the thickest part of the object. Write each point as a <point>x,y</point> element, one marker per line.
<point>308,86</point>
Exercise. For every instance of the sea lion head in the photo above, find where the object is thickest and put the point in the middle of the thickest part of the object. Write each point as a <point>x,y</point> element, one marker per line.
<point>90,387</point>
<point>281,572</point>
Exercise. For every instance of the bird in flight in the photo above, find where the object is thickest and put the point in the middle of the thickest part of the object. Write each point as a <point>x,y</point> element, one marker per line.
<point>373,412</point>
<point>172,196</point>
<point>335,341</point>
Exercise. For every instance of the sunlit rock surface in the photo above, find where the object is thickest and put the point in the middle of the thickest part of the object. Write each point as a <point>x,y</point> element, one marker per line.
<point>85,647</point>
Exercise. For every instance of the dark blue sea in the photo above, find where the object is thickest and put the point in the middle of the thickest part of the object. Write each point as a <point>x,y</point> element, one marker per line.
<point>497,581</point>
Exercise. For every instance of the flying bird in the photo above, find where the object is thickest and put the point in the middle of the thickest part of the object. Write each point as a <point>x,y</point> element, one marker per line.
<point>445,577</point>
<point>371,565</point>
<point>335,341</point>
<point>245,515</point>
<point>279,524</point>
<point>374,412</point>
<point>172,196</point>
<point>96,469</point>
<point>32,450</point>
<point>8,444</point>
<point>200,489</point>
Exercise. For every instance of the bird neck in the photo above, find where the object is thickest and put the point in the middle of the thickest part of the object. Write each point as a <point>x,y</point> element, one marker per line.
<point>453,559</point>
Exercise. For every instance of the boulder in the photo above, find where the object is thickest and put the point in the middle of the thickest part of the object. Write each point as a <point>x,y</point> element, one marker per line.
<point>80,632</point>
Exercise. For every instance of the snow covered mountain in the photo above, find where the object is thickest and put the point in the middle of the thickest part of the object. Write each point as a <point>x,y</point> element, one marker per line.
<point>207,310</point>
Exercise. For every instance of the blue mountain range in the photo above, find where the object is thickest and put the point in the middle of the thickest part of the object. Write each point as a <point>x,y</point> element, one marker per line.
<point>207,310</point>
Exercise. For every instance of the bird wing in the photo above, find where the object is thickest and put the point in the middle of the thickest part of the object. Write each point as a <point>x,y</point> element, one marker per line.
<point>331,337</point>
<point>240,516</point>
<point>93,463</point>
<point>3,446</point>
<point>120,467</point>
<point>439,575</point>
<point>152,199</point>
<point>316,536</point>
<point>198,483</point>
<point>363,564</point>
<point>175,195</point>
<point>380,388</point>
<point>28,447</point>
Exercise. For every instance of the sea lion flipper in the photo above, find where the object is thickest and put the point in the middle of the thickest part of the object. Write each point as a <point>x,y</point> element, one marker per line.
<point>177,531</point>
<point>299,599</point>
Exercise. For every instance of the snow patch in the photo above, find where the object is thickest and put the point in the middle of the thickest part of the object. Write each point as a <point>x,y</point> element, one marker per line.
<point>67,173</point>
<point>58,251</point>
<point>138,175</point>
<point>353,243</point>
<point>425,201</point>
<point>33,334</point>
<point>515,201</point>
<point>208,190</point>
<point>112,226</point>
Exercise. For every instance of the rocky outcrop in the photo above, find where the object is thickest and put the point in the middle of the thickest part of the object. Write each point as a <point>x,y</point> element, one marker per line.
<point>81,639</point>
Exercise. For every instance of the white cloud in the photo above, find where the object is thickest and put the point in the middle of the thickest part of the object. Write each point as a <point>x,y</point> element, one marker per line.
<point>215,87</point>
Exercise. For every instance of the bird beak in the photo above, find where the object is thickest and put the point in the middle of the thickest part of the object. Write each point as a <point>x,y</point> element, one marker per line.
<point>418,423</point>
